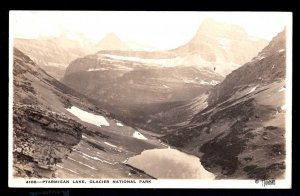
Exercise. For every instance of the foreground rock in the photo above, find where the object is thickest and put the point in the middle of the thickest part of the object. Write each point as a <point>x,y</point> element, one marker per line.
<point>42,134</point>
<point>41,139</point>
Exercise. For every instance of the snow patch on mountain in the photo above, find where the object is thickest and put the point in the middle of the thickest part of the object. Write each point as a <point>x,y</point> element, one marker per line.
<point>253,89</point>
<point>168,62</point>
<point>52,64</point>
<point>97,120</point>
<point>119,124</point>
<point>82,163</point>
<point>282,89</point>
<point>59,166</point>
<point>138,135</point>
<point>109,144</point>
<point>212,82</point>
<point>224,42</point>
<point>258,58</point>
<point>97,69</point>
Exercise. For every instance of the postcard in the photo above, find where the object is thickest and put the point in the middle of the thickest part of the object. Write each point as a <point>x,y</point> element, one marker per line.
<point>148,99</point>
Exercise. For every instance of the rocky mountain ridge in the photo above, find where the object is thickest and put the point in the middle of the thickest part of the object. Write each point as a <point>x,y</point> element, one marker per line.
<point>268,66</point>
<point>216,46</point>
<point>239,130</point>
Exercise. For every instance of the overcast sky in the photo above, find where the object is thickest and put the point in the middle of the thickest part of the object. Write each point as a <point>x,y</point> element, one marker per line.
<point>164,30</point>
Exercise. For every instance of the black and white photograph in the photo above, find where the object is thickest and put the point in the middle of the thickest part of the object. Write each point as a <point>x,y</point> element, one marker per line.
<point>150,99</point>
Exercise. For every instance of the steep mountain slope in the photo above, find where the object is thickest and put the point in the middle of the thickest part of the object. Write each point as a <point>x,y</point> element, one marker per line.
<point>220,45</point>
<point>134,85</point>
<point>42,136</point>
<point>53,54</point>
<point>239,130</point>
<point>122,82</point>
<point>51,137</point>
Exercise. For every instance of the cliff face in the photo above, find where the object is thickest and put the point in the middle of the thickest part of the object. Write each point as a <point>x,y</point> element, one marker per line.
<point>42,136</point>
<point>220,41</point>
<point>41,139</point>
<point>221,45</point>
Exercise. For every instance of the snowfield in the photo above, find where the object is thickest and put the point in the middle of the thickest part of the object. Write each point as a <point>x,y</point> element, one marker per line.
<point>119,124</point>
<point>109,144</point>
<point>97,69</point>
<point>282,89</point>
<point>253,89</point>
<point>213,82</point>
<point>167,62</point>
<point>138,135</point>
<point>88,117</point>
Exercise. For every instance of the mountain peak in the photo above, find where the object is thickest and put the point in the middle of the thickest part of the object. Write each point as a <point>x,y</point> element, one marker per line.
<point>276,44</point>
<point>111,35</point>
<point>220,43</point>
<point>112,42</point>
<point>213,27</point>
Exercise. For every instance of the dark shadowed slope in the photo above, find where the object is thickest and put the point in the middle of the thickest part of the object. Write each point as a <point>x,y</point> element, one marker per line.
<point>134,89</point>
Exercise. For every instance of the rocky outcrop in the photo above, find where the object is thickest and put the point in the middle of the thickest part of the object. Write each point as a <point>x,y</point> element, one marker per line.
<point>41,139</point>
